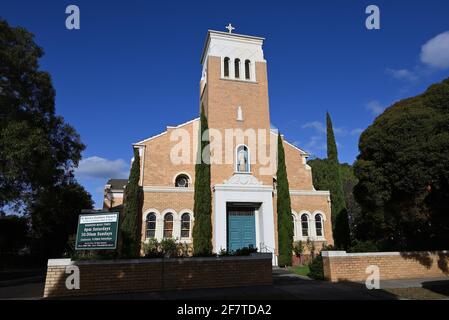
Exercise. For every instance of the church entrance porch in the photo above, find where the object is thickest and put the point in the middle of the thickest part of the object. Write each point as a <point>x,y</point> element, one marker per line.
<point>241,228</point>
<point>243,215</point>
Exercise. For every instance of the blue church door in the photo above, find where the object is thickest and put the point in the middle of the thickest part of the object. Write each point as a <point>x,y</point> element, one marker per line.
<point>241,228</point>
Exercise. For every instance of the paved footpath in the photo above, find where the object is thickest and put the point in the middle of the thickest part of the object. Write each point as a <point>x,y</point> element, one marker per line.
<point>286,286</point>
<point>23,284</point>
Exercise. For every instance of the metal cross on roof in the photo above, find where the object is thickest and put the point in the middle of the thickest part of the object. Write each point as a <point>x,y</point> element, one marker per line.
<point>230,28</point>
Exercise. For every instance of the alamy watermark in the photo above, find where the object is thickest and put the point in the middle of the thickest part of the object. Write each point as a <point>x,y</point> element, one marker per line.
<point>373,280</point>
<point>72,282</point>
<point>73,21</point>
<point>238,147</point>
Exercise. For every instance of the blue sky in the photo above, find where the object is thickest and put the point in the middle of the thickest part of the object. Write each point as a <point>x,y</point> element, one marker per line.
<point>134,66</point>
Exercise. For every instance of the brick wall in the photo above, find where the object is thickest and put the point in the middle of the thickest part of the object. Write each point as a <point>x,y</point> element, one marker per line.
<point>342,266</point>
<point>144,275</point>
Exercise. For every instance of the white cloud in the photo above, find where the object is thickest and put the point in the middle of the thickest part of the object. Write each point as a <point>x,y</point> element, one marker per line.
<point>375,107</point>
<point>316,143</point>
<point>356,131</point>
<point>318,126</point>
<point>101,168</point>
<point>435,52</point>
<point>340,131</point>
<point>402,74</point>
<point>321,129</point>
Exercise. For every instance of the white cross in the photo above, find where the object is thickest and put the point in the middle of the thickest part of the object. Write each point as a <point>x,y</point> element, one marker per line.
<point>230,28</point>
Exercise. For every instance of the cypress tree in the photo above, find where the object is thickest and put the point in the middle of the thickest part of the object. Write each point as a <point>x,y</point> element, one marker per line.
<point>202,228</point>
<point>340,221</point>
<point>284,210</point>
<point>130,229</point>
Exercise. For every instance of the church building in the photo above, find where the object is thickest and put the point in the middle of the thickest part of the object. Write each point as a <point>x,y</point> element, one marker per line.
<point>233,91</point>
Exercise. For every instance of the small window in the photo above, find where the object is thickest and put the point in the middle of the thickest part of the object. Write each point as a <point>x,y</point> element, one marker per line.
<point>226,67</point>
<point>168,225</point>
<point>151,225</point>
<point>275,184</point>
<point>237,68</point>
<point>319,225</point>
<point>305,225</point>
<point>242,160</point>
<point>182,181</point>
<point>247,68</point>
<point>185,225</point>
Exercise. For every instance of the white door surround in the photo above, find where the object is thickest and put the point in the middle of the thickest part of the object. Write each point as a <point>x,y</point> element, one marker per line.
<point>244,188</point>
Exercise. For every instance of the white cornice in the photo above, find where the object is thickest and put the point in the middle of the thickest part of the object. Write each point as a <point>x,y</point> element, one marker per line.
<point>308,193</point>
<point>219,36</point>
<point>243,188</point>
<point>162,133</point>
<point>167,189</point>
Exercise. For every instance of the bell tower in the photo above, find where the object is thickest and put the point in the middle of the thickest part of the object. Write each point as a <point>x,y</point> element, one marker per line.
<point>234,91</point>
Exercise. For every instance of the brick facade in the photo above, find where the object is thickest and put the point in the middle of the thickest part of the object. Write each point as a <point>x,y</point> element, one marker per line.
<point>342,266</point>
<point>222,97</point>
<point>145,275</point>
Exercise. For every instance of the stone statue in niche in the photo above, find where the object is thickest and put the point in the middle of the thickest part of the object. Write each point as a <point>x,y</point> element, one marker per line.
<point>242,163</point>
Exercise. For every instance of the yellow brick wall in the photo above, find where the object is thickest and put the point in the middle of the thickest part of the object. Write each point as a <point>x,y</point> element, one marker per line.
<point>406,265</point>
<point>104,277</point>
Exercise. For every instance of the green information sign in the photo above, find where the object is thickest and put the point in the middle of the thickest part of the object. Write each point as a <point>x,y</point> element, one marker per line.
<point>97,231</point>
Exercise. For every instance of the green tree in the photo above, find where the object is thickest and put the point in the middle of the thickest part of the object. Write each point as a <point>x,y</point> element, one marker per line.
<point>321,175</point>
<point>284,210</point>
<point>329,174</point>
<point>38,150</point>
<point>202,228</point>
<point>13,234</point>
<point>54,217</point>
<point>349,181</point>
<point>130,229</point>
<point>339,212</point>
<point>403,173</point>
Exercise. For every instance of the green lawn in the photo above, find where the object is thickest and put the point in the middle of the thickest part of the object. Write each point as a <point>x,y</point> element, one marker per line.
<point>301,270</point>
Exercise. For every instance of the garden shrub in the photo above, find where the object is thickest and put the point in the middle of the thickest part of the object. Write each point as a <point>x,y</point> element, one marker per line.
<point>316,265</point>
<point>298,248</point>
<point>364,246</point>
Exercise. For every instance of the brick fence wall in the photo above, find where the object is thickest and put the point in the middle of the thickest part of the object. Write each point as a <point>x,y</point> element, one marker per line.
<point>142,275</point>
<point>342,266</point>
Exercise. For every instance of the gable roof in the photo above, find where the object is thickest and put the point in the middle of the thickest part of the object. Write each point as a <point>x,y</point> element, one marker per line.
<point>117,184</point>
<point>164,132</point>
<point>274,131</point>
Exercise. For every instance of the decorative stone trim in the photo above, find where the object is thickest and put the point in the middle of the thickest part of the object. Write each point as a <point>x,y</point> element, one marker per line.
<point>167,189</point>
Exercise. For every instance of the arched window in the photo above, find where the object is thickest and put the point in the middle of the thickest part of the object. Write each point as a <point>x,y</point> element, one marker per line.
<point>185,225</point>
<point>151,225</point>
<point>305,225</point>
<point>242,159</point>
<point>168,225</point>
<point>182,181</point>
<point>319,225</point>
<point>237,68</point>
<point>275,184</point>
<point>247,73</point>
<point>294,226</point>
<point>226,67</point>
